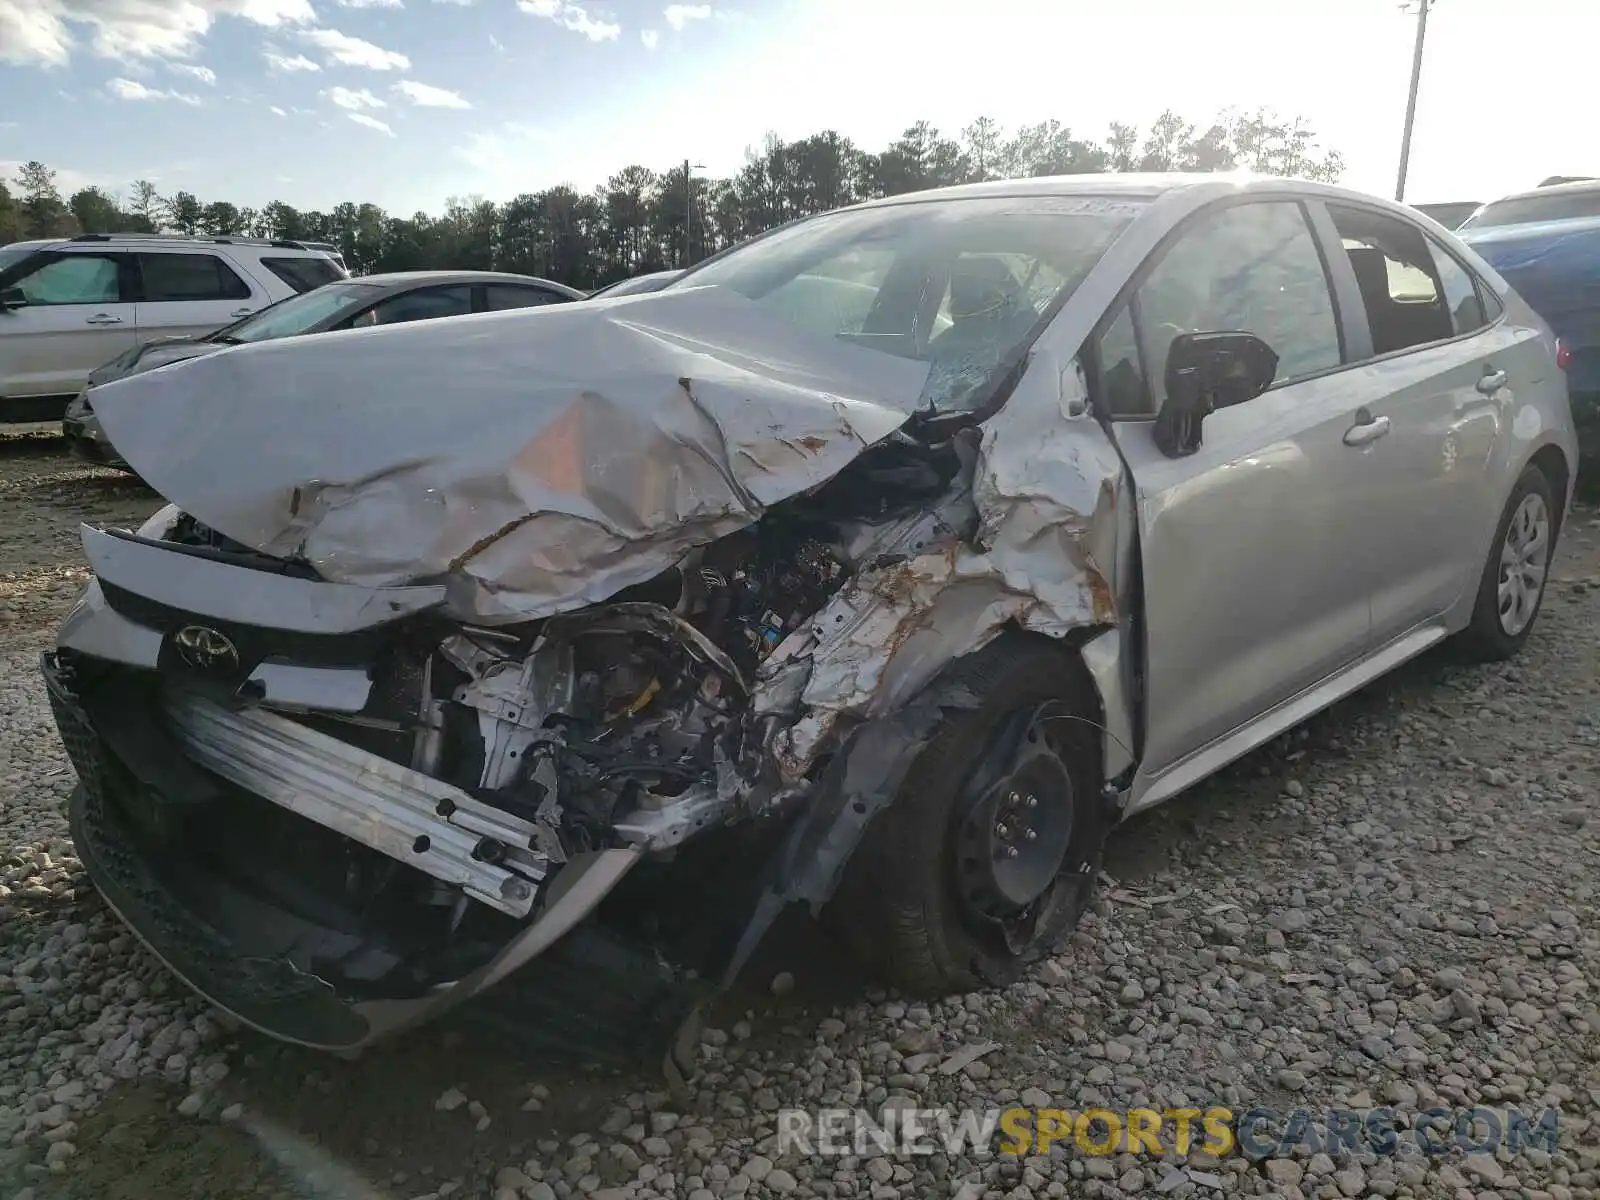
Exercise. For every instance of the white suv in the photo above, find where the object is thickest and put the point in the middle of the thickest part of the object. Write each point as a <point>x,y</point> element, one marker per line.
<point>69,305</point>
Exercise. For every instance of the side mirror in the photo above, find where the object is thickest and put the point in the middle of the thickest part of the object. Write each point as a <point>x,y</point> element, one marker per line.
<point>1205,372</point>
<point>12,298</point>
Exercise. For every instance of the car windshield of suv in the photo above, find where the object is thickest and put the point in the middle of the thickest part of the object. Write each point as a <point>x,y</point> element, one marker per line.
<point>298,314</point>
<point>962,284</point>
<point>1525,210</point>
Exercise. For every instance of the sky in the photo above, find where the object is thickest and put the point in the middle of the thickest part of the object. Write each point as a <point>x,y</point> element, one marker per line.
<point>408,102</point>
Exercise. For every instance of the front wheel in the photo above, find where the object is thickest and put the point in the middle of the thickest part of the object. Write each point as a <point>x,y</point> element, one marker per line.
<point>1513,582</point>
<point>989,852</point>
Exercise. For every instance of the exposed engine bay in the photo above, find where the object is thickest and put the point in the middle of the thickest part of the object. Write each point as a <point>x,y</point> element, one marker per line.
<point>634,720</point>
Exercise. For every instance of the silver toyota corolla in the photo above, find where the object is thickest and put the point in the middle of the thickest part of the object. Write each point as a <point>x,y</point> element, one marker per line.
<point>882,563</point>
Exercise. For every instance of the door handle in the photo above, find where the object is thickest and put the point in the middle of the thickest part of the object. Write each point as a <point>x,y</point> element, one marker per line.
<point>1492,382</point>
<point>102,319</point>
<point>1366,430</point>
<point>241,312</point>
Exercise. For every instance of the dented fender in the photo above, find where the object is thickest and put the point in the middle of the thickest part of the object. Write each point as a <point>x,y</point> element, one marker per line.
<point>1038,542</point>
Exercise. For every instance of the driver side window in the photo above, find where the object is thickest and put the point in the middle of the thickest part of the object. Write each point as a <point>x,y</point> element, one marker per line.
<point>1249,268</point>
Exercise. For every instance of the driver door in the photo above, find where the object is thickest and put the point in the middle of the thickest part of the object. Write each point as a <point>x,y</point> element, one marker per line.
<point>75,313</point>
<point>1252,561</point>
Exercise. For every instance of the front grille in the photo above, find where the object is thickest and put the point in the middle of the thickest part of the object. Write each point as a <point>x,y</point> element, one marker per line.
<point>253,642</point>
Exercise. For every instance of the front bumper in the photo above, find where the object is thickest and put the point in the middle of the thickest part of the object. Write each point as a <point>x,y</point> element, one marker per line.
<point>116,812</point>
<point>146,767</point>
<point>85,437</point>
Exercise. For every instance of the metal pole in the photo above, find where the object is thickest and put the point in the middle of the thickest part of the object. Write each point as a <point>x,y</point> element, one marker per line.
<point>688,214</point>
<point>1411,100</point>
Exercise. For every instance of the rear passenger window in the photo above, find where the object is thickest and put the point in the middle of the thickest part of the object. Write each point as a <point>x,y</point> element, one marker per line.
<point>1401,290</point>
<point>1460,291</point>
<point>172,277</point>
<point>303,274</point>
<point>501,296</point>
<point>424,305</point>
<point>1251,268</point>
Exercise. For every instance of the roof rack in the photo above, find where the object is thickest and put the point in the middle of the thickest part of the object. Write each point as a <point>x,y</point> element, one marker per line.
<point>276,243</point>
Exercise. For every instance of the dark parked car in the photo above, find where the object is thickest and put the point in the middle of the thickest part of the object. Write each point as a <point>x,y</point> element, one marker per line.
<point>1546,244</point>
<point>391,299</point>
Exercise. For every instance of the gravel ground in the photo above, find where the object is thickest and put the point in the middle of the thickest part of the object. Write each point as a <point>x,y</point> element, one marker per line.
<point>1395,904</point>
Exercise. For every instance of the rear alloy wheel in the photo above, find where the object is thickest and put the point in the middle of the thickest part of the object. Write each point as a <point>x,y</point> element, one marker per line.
<point>1513,582</point>
<point>989,852</point>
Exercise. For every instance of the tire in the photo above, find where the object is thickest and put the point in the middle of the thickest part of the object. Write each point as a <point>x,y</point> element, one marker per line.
<point>1495,635</point>
<point>903,905</point>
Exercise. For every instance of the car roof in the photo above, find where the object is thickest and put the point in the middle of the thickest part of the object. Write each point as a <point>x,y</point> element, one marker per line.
<point>412,278</point>
<point>1555,189</point>
<point>1200,187</point>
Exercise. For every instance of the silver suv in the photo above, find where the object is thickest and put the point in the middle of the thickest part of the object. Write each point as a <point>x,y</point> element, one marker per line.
<point>68,305</point>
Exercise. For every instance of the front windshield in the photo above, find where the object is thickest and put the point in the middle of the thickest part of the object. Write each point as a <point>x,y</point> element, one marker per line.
<point>961,285</point>
<point>298,313</point>
<point>1525,210</point>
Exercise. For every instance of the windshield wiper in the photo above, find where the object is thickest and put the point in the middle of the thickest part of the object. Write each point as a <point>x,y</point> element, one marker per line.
<point>229,340</point>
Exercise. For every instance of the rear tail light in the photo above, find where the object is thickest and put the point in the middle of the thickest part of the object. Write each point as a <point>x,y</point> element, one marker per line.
<point>1563,355</point>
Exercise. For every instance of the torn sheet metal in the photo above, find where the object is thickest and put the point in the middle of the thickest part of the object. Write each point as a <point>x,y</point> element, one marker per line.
<point>1039,554</point>
<point>536,461</point>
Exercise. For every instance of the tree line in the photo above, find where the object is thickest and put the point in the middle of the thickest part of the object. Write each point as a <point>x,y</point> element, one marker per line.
<point>644,220</point>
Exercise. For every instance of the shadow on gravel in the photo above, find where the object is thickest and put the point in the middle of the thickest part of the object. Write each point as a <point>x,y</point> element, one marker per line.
<point>32,443</point>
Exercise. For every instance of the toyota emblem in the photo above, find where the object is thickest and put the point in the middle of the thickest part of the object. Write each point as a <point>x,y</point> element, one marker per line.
<point>205,649</point>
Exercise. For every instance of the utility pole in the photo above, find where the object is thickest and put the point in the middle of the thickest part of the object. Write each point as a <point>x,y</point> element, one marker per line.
<point>1411,100</point>
<point>688,209</point>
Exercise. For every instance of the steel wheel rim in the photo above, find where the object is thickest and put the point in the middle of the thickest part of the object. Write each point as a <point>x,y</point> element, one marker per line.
<point>995,886</point>
<point>1524,560</point>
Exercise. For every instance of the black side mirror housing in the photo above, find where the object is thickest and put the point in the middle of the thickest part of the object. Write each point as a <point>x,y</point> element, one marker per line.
<point>1205,372</point>
<point>12,298</point>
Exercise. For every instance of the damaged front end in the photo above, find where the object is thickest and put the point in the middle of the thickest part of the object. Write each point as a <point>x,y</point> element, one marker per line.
<point>593,743</point>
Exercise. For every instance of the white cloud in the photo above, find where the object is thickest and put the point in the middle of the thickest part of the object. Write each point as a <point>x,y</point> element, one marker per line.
<point>128,89</point>
<point>679,15</point>
<point>458,3</point>
<point>502,150</point>
<point>649,37</point>
<point>44,32</point>
<point>353,100</point>
<point>288,62</point>
<point>370,4</point>
<point>279,111</point>
<point>203,74</point>
<point>572,16</point>
<point>370,122</point>
<point>353,52</point>
<point>424,96</point>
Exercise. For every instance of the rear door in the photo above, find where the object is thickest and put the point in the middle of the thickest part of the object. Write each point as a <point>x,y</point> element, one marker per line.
<point>75,314</point>
<point>1436,382</point>
<point>185,293</point>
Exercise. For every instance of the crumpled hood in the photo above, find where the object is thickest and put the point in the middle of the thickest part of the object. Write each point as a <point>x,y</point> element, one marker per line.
<point>537,461</point>
<point>149,356</point>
